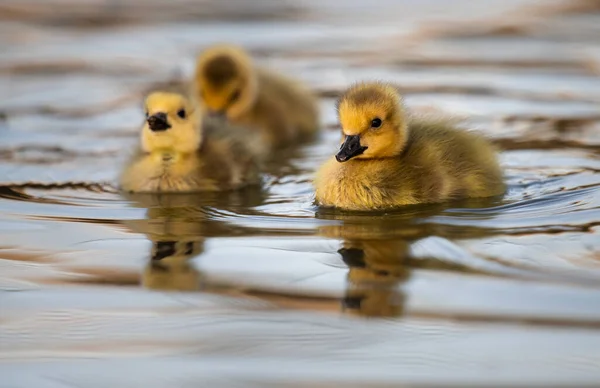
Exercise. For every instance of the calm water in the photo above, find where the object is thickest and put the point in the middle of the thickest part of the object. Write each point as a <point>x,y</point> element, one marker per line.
<point>262,288</point>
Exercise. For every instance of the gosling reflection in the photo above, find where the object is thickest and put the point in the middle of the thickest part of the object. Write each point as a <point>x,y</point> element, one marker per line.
<point>376,271</point>
<point>378,267</point>
<point>177,226</point>
<point>169,267</point>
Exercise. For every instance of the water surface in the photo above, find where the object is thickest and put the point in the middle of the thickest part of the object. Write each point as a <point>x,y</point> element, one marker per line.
<point>261,287</point>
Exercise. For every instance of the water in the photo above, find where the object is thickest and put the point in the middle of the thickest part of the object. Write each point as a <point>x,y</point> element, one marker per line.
<point>262,288</point>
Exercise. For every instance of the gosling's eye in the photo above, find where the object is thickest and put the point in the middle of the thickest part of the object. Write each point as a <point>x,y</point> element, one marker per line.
<point>376,123</point>
<point>181,114</point>
<point>147,114</point>
<point>234,96</point>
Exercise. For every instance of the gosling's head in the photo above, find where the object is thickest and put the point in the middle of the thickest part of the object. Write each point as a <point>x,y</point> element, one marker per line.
<point>225,81</point>
<point>172,124</point>
<point>373,122</point>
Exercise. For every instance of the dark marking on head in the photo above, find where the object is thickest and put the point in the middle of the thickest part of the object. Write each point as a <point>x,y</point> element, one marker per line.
<point>221,70</point>
<point>365,95</point>
<point>362,94</point>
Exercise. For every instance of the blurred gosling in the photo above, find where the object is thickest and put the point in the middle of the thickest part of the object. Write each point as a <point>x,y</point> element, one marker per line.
<point>227,83</point>
<point>386,161</point>
<point>181,152</point>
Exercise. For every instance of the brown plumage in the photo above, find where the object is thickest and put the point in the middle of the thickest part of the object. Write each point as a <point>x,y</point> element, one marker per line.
<point>228,83</point>
<point>387,160</point>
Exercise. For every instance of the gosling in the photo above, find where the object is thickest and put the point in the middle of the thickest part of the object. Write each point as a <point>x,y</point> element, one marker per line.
<point>227,83</point>
<point>181,152</point>
<point>387,161</point>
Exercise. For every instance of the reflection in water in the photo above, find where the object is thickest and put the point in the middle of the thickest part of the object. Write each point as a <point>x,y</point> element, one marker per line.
<point>169,267</point>
<point>417,221</point>
<point>376,270</point>
<point>380,259</point>
<point>182,202</point>
<point>377,266</point>
<point>376,248</point>
<point>176,225</point>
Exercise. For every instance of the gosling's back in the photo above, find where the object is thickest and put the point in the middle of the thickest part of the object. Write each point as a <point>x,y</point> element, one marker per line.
<point>278,107</point>
<point>299,102</point>
<point>457,163</point>
<point>284,111</point>
<point>231,158</point>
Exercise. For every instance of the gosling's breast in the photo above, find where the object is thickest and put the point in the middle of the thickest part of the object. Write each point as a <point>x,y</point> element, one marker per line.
<point>345,186</point>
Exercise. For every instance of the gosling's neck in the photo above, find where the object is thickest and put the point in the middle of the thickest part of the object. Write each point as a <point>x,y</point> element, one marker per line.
<point>170,149</point>
<point>168,156</point>
<point>249,102</point>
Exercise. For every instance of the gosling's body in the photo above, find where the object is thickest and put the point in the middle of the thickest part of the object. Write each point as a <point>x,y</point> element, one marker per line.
<point>424,162</point>
<point>439,164</point>
<point>281,109</point>
<point>200,155</point>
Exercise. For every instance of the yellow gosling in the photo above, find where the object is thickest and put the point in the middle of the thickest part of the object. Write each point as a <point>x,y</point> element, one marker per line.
<point>180,152</point>
<point>229,84</point>
<point>387,160</point>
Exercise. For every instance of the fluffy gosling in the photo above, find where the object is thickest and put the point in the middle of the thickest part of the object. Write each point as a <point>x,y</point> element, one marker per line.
<point>229,84</point>
<point>181,152</point>
<point>387,161</point>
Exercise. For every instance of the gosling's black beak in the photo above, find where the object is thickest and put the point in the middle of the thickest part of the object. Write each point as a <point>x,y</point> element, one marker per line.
<point>158,122</point>
<point>350,149</point>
